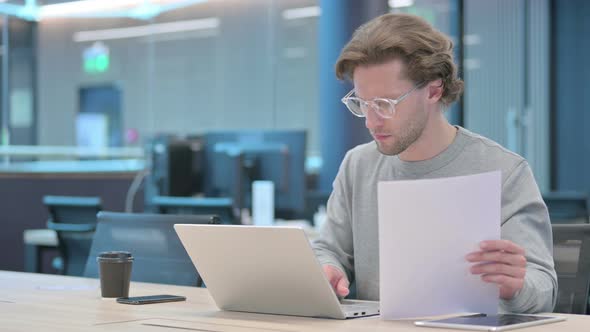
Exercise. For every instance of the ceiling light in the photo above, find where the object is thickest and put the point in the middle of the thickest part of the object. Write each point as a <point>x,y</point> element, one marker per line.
<point>147,30</point>
<point>303,12</point>
<point>400,3</point>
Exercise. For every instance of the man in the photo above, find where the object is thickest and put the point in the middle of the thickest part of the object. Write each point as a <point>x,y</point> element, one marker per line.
<point>404,78</point>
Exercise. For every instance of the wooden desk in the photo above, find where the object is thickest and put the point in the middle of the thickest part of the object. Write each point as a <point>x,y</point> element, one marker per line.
<point>39,302</point>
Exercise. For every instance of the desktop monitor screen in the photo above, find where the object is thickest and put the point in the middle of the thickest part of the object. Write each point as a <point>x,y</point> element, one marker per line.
<point>175,166</point>
<point>234,159</point>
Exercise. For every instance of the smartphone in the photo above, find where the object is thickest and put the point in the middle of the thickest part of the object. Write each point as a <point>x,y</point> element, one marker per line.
<point>150,299</point>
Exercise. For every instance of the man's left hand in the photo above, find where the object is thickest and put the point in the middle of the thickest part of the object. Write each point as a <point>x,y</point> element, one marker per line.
<point>501,262</point>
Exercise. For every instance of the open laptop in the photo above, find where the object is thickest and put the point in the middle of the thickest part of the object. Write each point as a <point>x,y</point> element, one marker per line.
<point>270,270</point>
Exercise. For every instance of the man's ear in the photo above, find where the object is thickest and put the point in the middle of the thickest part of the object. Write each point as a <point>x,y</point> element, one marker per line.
<point>435,91</point>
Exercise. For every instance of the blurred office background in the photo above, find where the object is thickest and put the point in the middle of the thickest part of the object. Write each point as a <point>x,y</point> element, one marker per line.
<point>129,100</point>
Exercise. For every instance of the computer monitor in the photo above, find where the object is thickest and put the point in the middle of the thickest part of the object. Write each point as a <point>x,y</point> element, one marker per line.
<point>175,166</point>
<point>234,159</point>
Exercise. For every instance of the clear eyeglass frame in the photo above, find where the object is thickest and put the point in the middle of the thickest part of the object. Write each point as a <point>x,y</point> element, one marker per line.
<point>383,107</point>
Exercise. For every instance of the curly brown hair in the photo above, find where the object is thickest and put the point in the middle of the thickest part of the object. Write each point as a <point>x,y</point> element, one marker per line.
<point>426,52</point>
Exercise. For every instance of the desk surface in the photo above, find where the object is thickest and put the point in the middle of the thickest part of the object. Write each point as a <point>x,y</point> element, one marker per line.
<point>40,302</point>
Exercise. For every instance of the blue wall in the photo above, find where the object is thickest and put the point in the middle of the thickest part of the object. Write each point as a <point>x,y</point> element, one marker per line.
<point>571,93</point>
<point>339,130</point>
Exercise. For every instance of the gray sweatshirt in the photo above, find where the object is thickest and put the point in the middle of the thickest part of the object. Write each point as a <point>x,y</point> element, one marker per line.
<point>349,239</point>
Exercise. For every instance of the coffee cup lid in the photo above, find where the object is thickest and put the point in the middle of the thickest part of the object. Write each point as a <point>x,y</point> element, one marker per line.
<point>114,256</point>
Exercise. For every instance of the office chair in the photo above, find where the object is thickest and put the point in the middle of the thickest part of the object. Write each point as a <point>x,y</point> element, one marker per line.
<point>219,206</point>
<point>571,252</point>
<point>567,207</point>
<point>158,254</point>
<point>74,221</point>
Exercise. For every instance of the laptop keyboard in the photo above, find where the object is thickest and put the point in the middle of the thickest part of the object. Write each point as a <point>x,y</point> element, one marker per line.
<point>352,307</point>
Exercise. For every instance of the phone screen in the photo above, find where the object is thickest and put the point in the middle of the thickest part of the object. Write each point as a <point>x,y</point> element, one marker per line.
<point>150,299</point>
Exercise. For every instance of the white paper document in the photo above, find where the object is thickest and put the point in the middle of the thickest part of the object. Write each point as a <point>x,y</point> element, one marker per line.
<point>426,228</point>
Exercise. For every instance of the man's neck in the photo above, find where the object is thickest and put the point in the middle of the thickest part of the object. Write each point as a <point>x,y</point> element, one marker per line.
<point>436,137</point>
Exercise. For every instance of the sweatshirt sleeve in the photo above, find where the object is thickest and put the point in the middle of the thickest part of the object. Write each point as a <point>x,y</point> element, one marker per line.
<point>334,245</point>
<point>525,221</point>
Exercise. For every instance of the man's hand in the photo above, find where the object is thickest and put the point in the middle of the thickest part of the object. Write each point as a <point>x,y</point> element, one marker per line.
<point>337,279</point>
<point>501,262</point>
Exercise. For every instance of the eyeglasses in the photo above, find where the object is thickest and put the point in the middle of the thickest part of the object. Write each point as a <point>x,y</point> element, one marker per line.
<point>384,107</point>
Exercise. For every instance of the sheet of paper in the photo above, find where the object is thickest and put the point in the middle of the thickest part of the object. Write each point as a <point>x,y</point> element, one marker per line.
<point>426,228</point>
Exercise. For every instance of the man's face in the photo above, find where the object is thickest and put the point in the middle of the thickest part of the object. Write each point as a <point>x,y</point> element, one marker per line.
<point>392,135</point>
